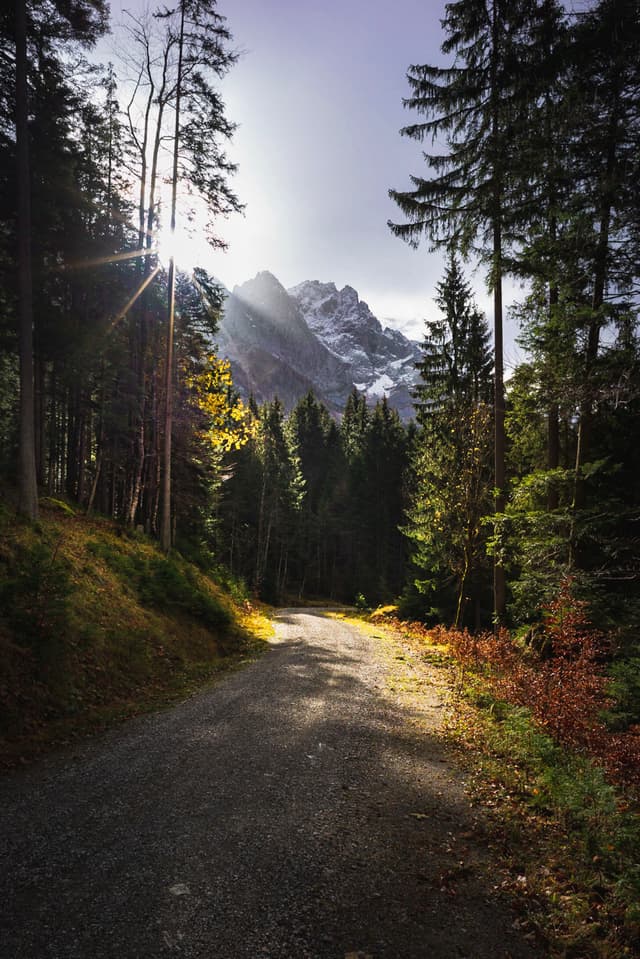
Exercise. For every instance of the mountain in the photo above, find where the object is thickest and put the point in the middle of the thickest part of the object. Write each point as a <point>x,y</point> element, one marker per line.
<point>381,362</point>
<point>317,337</point>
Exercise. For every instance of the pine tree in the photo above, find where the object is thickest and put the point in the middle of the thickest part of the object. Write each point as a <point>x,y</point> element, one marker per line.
<point>280,496</point>
<point>380,509</point>
<point>82,22</point>
<point>606,166</point>
<point>470,201</point>
<point>451,485</point>
<point>310,429</point>
<point>42,35</point>
<point>354,426</point>
<point>457,361</point>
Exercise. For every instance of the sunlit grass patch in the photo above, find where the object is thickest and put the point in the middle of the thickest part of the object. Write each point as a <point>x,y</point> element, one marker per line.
<point>255,620</point>
<point>572,836</point>
<point>96,624</point>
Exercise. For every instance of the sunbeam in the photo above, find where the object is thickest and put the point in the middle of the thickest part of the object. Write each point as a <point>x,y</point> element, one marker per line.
<point>123,312</point>
<point>112,258</point>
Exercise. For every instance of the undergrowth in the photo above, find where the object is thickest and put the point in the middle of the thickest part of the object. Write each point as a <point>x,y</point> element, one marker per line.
<point>571,833</point>
<point>165,583</point>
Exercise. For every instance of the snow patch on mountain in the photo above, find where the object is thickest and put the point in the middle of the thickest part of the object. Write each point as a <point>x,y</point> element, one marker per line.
<point>382,362</point>
<point>314,336</point>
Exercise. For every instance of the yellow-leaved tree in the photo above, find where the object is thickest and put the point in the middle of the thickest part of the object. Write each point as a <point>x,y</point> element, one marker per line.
<point>226,421</point>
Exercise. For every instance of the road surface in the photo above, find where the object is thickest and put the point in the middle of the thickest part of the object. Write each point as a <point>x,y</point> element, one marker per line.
<point>297,810</point>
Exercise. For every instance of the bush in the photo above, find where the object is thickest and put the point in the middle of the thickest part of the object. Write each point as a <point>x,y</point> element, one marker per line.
<point>563,684</point>
<point>624,687</point>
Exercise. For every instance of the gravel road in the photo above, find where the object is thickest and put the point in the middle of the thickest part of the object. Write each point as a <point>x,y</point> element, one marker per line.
<point>300,808</point>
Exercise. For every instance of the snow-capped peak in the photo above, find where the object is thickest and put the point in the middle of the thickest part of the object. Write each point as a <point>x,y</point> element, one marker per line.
<point>314,336</point>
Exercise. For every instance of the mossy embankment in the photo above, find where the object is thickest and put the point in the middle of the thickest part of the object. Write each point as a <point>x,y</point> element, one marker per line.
<point>96,624</point>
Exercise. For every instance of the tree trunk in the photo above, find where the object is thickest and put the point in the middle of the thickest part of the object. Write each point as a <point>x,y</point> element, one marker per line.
<point>165,522</point>
<point>499,580</point>
<point>28,488</point>
<point>583,450</point>
<point>553,412</point>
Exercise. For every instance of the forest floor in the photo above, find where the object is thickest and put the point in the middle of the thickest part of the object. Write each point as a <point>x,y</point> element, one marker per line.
<point>307,805</point>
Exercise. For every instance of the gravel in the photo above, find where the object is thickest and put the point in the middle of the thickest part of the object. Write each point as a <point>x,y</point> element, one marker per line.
<point>297,809</point>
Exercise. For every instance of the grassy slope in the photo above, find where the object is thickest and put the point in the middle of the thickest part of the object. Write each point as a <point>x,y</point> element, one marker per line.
<point>96,624</point>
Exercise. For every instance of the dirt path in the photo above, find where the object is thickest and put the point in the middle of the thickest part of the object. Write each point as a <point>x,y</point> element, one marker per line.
<point>301,808</point>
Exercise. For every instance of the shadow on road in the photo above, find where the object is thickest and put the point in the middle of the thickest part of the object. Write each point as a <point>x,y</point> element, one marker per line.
<point>293,811</point>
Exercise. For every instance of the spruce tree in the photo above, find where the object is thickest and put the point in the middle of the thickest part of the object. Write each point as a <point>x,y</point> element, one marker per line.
<point>451,477</point>
<point>312,434</point>
<point>382,502</point>
<point>37,30</point>
<point>280,497</point>
<point>456,363</point>
<point>469,201</point>
<point>606,167</point>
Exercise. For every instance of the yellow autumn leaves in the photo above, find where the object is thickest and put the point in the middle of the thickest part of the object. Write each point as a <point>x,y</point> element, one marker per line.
<point>229,423</point>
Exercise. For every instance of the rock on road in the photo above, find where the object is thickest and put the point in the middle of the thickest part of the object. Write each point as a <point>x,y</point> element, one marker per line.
<point>293,810</point>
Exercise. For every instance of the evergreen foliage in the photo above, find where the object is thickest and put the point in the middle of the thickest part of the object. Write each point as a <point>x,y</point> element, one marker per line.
<point>98,296</point>
<point>533,168</point>
<point>451,461</point>
<point>319,505</point>
<point>472,199</point>
<point>534,165</point>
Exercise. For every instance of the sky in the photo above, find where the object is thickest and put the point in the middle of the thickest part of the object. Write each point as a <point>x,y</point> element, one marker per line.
<point>317,96</point>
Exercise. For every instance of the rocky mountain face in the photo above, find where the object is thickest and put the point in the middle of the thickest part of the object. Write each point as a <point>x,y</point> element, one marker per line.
<point>317,337</point>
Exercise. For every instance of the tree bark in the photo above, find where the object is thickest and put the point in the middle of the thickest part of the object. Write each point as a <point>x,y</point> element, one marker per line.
<point>553,416</point>
<point>165,519</point>
<point>28,488</point>
<point>499,580</point>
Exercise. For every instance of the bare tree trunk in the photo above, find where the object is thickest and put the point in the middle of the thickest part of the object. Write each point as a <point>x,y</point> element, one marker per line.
<point>259,540</point>
<point>28,488</point>
<point>41,435</point>
<point>499,580</point>
<point>553,412</point>
<point>137,468</point>
<point>165,524</point>
<point>583,450</point>
<point>553,452</point>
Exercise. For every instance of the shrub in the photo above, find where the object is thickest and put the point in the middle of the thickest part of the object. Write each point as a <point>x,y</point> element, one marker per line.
<point>360,602</point>
<point>563,683</point>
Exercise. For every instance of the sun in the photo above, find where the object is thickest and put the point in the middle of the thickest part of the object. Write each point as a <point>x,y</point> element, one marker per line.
<point>186,247</point>
<point>168,246</point>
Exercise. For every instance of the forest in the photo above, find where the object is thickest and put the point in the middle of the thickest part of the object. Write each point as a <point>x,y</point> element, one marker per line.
<point>500,493</point>
<point>150,514</point>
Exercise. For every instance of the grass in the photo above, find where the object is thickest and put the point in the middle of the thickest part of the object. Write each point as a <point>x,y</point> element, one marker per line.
<point>573,836</point>
<point>572,839</point>
<point>97,625</point>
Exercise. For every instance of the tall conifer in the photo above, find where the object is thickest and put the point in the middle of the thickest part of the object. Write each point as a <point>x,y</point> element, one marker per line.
<point>468,201</point>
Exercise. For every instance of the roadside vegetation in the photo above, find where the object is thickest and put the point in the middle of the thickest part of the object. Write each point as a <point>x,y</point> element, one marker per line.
<point>97,624</point>
<point>554,757</point>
